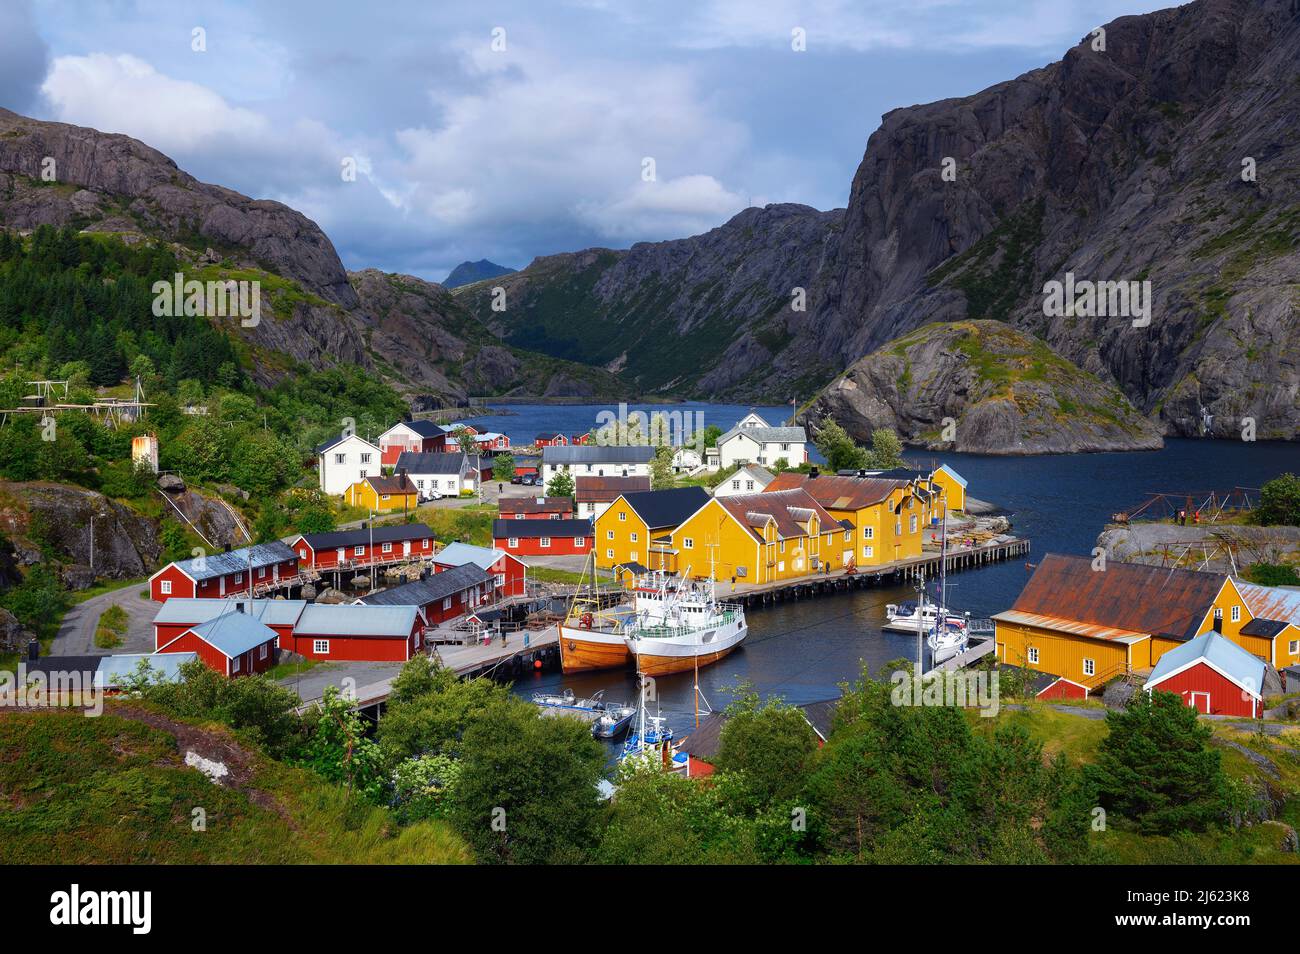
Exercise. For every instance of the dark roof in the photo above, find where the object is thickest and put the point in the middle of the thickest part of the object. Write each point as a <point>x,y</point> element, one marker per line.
<point>400,484</point>
<point>597,454</point>
<point>352,538</point>
<point>1264,627</point>
<point>667,508</point>
<point>87,665</point>
<point>703,743</point>
<point>434,588</point>
<point>606,489</point>
<point>548,435</point>
<point>414,462</point>
<point>1131,596</point>
<point>425,428</point>
<point>236,561</point>
<point>536,504</point>
<point>821,716</point>
<point>1037,680</point>
<point>505,529</point>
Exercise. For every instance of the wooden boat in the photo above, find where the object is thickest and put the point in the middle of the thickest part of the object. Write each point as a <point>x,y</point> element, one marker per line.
<point>684,627</point>
<point>591,637</point>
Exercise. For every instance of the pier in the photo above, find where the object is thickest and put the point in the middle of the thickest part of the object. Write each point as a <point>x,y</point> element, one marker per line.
<point>899,571</point>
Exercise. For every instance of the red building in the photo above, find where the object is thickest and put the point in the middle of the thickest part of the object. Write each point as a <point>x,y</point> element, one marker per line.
<point>233,644</point>
<point>1213,675</point>
<point>536,508</point>
<point>509,574</point>
<point>580,439</point>
<point>441,597</point>
<point>261,568</point>
<point>179,614</point>
<point>357,633</point>
<point>542,537</point>
<point>349,549</point>
<point>551,439</point>
<point>422,437</point>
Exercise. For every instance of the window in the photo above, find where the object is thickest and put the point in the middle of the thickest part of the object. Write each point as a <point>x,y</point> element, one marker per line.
<point>1293,647</point>
<point>785,447</point>
<point>1218,613</point>
<point>749,485</point>
<point>622,517</point>
<point>782,546</point>
<point>420,483</point>
<point>579,541</point>
<point>261,651</point>
<point>234,664</point>
<point>898,528</point>
<point>320,646</point>
<point>426,543</point>
<point>544,543</point>
<point>500,579</point>
<point>384,497</point>
<point>1090,667</point>
<point>634,536</point>
<point>340,458</point>
<point>166,586</point>
<point>1033,655</point>
<point>239,578</point>
<point>688,543</point>
<point>1236,614</point>
<point>609,534</point>
<point>848,535</point>
<point>446,603</point>
<point>358,550</point>
<point>735,485</point>
<point>869,533</point>
<point>912,527</point>
<point>513,543</point>
<point>868,552</point>
<point>388,548</point>
<point>780,567</point>
<point>519,516</point>
<point>261,572</point>
<point>364,472</point>
<point>609,554</point>
<point>365,458</point>
<point>302,554</point>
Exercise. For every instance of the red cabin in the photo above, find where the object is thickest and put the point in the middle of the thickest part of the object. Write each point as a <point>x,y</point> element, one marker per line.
<point>441,597</point>
<point>358,633</point>
<point>233,644</point>
<point>421,437</point>
<point>542,537</point>
<point>1213,675</point>
<point>536,508</point>
<point>261,569</point>
<point>551,439</point>
<point>349,549</point>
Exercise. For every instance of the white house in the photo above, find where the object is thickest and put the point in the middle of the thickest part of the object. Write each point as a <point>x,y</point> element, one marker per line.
<point>344,461</point>
<point>447,473</point>
<point>750,479</point>
<point>596,460</point>
<point>755,441</point>
<point>686,459</point>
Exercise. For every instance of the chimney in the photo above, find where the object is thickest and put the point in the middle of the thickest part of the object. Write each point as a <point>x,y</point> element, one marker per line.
<point>239,607</point>
<point>225,547</point>
<point>814,471</point>
<point>33,650</point>
<point>862,473</point>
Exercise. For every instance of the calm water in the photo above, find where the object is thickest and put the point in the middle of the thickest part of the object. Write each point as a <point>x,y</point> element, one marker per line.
<point>804,650</point>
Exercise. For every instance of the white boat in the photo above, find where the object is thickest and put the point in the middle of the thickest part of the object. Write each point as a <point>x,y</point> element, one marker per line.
<point>947,639</point>
<point>680,625</point>
<point>651,741</point>
<point>911,617</point>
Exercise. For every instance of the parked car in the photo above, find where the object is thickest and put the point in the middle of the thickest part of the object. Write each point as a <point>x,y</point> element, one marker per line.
<point>529,480</point>
<point>517,479</point>
<point>432,494</point>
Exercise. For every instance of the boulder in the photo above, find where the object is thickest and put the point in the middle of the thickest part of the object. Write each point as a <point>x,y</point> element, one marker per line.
<point>170,483</point>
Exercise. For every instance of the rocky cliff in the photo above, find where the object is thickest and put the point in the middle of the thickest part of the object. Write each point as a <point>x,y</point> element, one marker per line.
<point>466,273</point>
<point>56,174</point>
<point>982,387</point>
<point>1161,151</point>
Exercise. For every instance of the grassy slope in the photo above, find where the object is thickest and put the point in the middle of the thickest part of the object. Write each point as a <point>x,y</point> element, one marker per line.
<point>76,790</point>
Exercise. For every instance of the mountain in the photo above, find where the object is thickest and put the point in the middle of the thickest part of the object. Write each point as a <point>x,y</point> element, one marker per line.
<point>315,313</point>
<point>1161,151</point>
<point>998,390</point>
<point>466,273</point>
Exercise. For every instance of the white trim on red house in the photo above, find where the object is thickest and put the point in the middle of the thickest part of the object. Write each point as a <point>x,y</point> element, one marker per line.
<point>1256,696</point>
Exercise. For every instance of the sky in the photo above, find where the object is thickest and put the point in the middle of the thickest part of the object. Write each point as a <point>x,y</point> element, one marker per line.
<point>422,133</point>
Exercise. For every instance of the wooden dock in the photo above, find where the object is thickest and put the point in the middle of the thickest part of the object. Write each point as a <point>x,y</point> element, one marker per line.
<point>899,571</point>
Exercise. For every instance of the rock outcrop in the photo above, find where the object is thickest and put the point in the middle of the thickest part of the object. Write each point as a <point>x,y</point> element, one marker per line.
<point>1227,548</point>
<point>466,273</point>
<point>982,387</point>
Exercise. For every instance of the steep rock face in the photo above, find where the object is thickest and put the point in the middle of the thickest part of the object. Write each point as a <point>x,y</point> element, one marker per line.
<point>110,182</point>
<point>467,273</point>
<point>982,387</point>
<point>57,517</point>
<point>697,315</point>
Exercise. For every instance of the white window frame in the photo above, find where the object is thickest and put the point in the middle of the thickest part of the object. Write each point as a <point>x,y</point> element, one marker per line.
<point>320,647</point>
<point>1031,654</point>
<point>446,603</point>
<point>609,553</point>
<point>513,543</point>
<point>870,533</point>
<point>579,541</point>
<point>688,543</point>
<point>622,516</point>
<point>165,587</point>
<point>235,663</point>
<point>1236,614</point>
<point>388,548</point>
<point>261,651</point>
<point>1090,667</point>
<point>544,542</point>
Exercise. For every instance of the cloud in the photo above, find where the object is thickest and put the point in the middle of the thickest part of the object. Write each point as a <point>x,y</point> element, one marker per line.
<point>24,56</point>
<point>683,206</point>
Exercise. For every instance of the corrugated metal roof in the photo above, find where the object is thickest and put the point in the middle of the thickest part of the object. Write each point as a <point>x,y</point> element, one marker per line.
<point>768,435</point>
<point>791,509</point>
<point>505,529</point>
<point>437,587</point>
<point>1270,602</point>
<point>1245,669</point>
<point>414,462</point>
<point>236,561</point>
<point>605,489</point>
<point>1074,627</point>
<point>324,619</point>
<point>393,533</point>
<point>234,633</point>
<point>598,454</point>
<point>166,667</point>
<point>458,554</point>
<point>1123,596</point>
<point>536,505</point>
<point>838,493</point>
<point>187,612</point>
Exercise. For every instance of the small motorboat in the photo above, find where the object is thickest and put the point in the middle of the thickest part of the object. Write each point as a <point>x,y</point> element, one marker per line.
<point>947,639</point>
<point>613,721</point>
<point>910,616</point>
<point>567,700</point>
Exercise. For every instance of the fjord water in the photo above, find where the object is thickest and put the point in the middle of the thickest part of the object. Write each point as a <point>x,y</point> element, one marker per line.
<point>803,650</point>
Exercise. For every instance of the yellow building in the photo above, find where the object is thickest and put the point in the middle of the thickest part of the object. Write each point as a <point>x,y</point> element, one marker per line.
<point>952,485</point>
<point>761,538</point>
<point>1088,624</point>
<point>635,530</point>
<point>889,516</point>
<point>1263,620</point>
<point>383,494</point>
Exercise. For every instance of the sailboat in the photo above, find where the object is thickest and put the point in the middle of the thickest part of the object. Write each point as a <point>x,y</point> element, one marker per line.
<point>949,636</point>
<point>681,626</point>
<point>651,741</point>
<point>592,637</point>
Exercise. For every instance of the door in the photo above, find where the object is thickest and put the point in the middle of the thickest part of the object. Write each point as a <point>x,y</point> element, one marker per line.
<point>222,586</point>
<point>340,554</point>
<point>406,548</point>
<point>1200,701</point>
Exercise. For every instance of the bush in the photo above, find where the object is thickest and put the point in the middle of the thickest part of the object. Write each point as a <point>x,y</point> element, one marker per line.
<point>1279,502</point>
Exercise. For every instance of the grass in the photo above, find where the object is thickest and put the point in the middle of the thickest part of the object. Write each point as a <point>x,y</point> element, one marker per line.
<point>114,790</point>
<point>286,669</point>
<point>471,524</point>
<point>546,574</point>
<point>111,628</point>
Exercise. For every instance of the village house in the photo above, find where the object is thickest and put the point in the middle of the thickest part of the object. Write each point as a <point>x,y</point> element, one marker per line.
<point>448,475</point>
<point>440,597</point>
<point>179,614</point>
<point>627,531</point>
<point>343,461</point>
<point>259,568</point>
<point>232,644</point>
<point>593,495</point>
<point>597,460</point>
<point>1214,676</point>
<point>509,573</point>
<point>550,439</point>
<point>542,537</point>
<point>420,437</point>
<point>357,633</point>
<point>686,460</point>
<point>1093,625</point>
<point>754,441</point>
<point>749,479</point>
<point>486,442</point>
<point>107,674</point>
<point>384,494</point>
<point>350,549</point>
<point>888,516</point>
<point>761,538</point>
<point>1269,623</point>
<point>536,508</point>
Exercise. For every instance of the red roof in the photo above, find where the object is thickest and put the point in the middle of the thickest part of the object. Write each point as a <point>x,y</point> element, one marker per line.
<point>791,509</point>
<point>607,489</point>
<point>839,493</point>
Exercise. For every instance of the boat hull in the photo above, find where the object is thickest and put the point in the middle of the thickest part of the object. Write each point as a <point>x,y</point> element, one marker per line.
<point>585,649</point>
<point>659,657</point>
<point>653,665</point>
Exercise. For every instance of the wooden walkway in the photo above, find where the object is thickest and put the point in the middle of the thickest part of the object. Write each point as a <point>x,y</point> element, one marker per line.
<point>972,655</point>
<point>897,571</point>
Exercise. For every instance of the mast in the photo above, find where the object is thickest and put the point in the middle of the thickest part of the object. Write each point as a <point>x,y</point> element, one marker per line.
<point>943,558</point>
